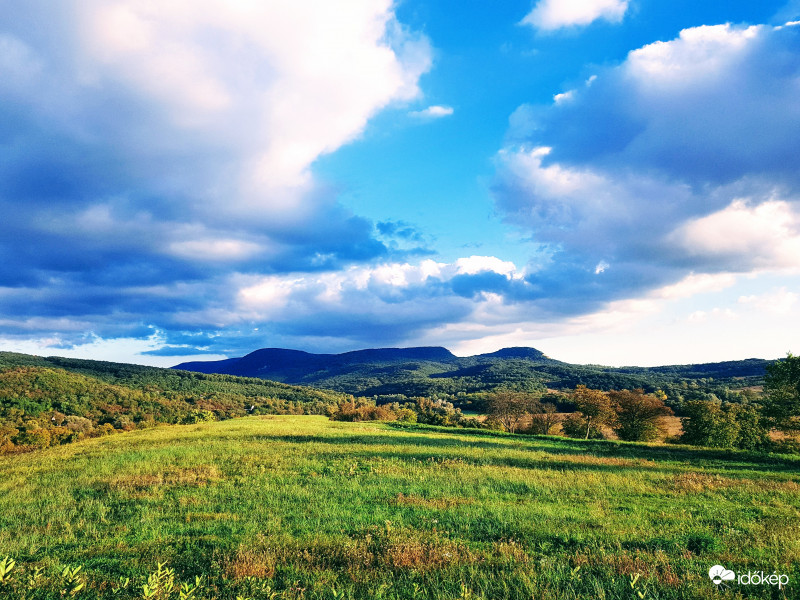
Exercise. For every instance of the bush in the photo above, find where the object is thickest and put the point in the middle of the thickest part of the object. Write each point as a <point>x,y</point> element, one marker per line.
<point>363,411</point>
<point>595,410</point>
<point>542,423</point>
<point>78,424</point>
<point>199,416</point>
<point>34,437</point>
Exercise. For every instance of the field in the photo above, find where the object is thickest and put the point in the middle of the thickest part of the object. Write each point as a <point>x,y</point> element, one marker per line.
<point>302,507</point>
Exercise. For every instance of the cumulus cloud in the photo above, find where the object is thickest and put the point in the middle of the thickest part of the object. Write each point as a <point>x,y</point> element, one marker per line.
<point>392,302</point>
<point>433,112</point>
<point>680,161</point>
<point>556,14</point>
<point>148,151</point>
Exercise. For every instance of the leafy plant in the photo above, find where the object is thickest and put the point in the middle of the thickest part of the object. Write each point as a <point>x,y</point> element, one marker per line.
<point>6,567</point>
<point>73,581</point>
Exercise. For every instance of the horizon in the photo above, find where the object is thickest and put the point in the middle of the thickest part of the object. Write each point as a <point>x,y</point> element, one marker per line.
<point>611,182</point>
<point>170,364</point>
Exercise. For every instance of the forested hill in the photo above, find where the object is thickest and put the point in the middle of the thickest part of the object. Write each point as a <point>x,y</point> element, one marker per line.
<point>52,401</point>
<point>37,384</point>
<point>432,371</point>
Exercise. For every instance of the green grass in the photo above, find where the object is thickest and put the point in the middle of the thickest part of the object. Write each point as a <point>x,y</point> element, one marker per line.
<point>302,507</point>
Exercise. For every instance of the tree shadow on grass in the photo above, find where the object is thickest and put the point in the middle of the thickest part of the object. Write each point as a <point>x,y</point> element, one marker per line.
<point>668,459</point>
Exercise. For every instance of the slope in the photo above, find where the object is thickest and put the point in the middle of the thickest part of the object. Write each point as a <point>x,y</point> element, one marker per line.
<point>300,507</point>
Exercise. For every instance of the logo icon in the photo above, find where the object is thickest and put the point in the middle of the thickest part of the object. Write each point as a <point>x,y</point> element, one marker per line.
<point>718,574</point>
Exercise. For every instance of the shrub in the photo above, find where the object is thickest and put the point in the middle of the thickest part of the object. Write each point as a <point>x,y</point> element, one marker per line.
<point>512,409</point>
<point>78,424</point>
<point>782,400</point>
<point>35,437</point>
<point>199,416</point>
<point>363,411</point>
<point>542,423</point>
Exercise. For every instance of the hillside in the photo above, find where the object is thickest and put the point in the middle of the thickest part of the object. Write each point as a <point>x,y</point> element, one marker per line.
<point>158,380</point>
<point>263,507</point>
<point>51,401</point>
<point>437,372</point>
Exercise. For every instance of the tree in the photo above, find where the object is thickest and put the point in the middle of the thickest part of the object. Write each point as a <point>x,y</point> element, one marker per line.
<point>724,426</point>
<point>510,409</point>
<point>543,422</point>
<point>638,414</point>
<point>595,407</point>
<point>782,394</point>
<point>753,432</point>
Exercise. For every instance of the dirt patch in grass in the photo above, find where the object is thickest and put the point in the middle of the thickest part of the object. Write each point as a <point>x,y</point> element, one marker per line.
<point>189,476</point>
<point>698,482</point>
<point>194,517</point>
<point>509,552</point>
<point>423,554</point>
<point>250,562</point>
<point>650,565</point>
<point>614,461</point>
<point>439,503</point>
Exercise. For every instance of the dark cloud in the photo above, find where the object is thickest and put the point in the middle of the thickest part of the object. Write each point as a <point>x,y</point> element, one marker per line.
<point>139,180</point>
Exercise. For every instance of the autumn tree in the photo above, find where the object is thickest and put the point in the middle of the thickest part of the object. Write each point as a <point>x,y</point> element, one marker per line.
<point>638,414</point>
<point>511,409</point>
<point>542,422</point>
<point>595,407</point>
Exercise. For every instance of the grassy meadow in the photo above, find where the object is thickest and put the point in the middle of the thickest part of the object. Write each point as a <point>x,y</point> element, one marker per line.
<point>303,507</point>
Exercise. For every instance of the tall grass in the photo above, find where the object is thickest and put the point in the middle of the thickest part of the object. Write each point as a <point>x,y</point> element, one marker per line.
<point>302,507</point>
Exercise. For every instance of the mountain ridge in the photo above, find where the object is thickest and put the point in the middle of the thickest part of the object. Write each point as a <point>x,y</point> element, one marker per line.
<point>434,370</point>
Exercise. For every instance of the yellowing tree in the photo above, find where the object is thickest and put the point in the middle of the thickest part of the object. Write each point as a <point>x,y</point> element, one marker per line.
<point>595,406</point>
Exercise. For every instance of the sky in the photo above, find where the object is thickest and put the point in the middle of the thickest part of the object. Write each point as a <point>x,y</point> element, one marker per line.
<point>610,181</point>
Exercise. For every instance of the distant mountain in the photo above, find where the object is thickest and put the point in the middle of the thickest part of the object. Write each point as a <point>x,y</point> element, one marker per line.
<point>280,364</point>
<point>517,352</point>
<point>435,371</point>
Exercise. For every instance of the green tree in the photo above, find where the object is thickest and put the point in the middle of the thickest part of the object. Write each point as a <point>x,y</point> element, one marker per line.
<point>638,415</point>
<point>709,424</point>
<point>782,394</point>
<point>753,431</point>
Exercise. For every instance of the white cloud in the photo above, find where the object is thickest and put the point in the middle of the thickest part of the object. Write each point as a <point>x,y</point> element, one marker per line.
<point>700,55</point>
<point>601,267</point>
<point>564,96</point>
<point>763,236</point>
<point>287,81</point>
<point>679,163</point>
<point>557,14</point>
<point>477,264</point>
<point>694,284</point>
<point>779,302</point>
<point>433,112</point>
<point>226,105</point>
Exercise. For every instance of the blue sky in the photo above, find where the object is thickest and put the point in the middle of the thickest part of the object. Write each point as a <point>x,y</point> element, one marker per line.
<point>609,181</point>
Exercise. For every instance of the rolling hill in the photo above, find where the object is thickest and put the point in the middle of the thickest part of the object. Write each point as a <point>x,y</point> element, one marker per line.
<point>435,371</point>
